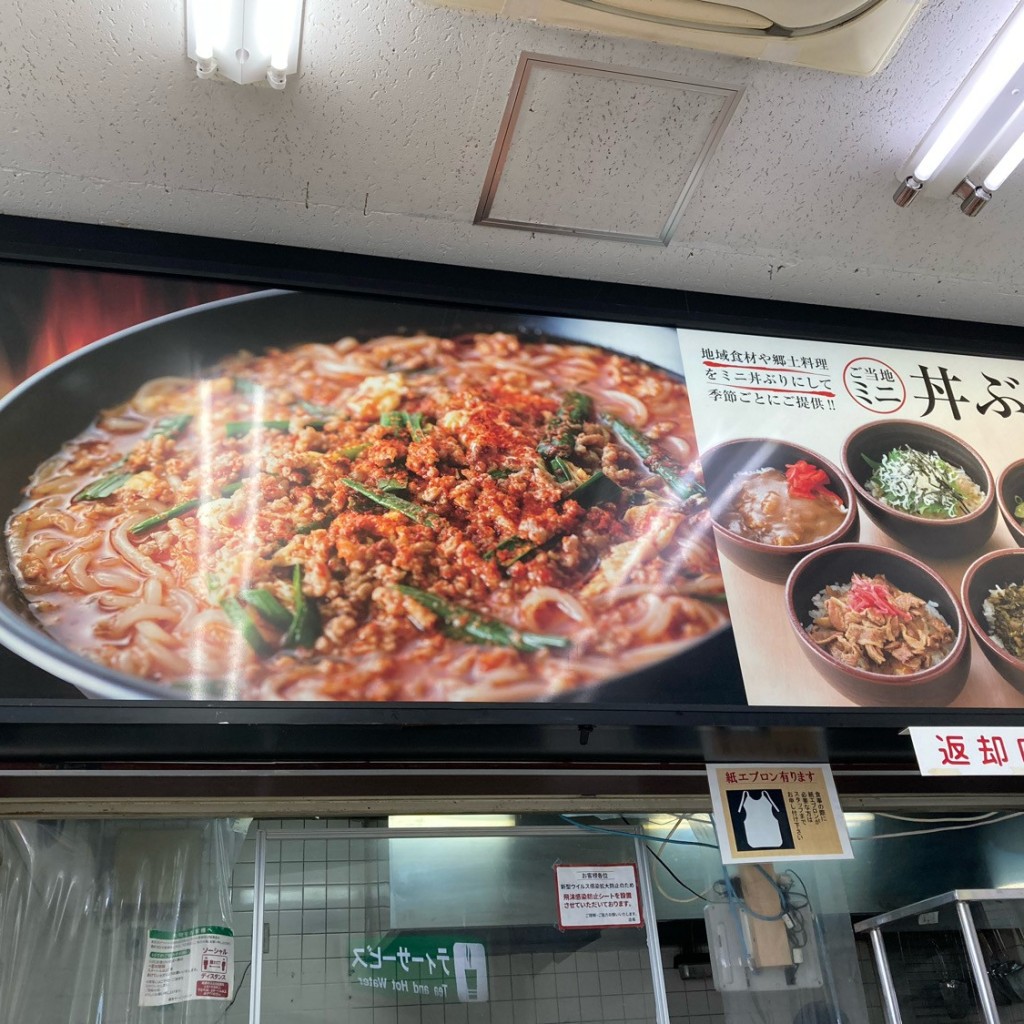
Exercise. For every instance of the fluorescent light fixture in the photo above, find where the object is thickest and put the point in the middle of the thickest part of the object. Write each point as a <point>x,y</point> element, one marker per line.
<point>666,822</point>
<point>858,818</point>
<point>245,41</point>
<point>979,136</point>
<point>451,820</point>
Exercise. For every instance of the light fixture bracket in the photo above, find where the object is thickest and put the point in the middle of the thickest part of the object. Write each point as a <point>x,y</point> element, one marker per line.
<point>975,197</point>
<point>906,191</point>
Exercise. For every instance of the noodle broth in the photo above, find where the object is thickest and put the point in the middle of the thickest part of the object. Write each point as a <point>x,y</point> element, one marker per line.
<point>413,518</point>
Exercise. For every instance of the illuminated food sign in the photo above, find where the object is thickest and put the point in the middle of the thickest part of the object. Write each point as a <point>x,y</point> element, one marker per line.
<point>285,496</point>
<point>869,510</point>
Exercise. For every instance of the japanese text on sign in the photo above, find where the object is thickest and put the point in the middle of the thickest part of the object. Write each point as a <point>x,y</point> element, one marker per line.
<point>807,809</point>
<point>196,963</point>
<point>777,810</point>
<point>979,751</point>
<point>374,959</point>
<point>422,966</point>
<point>785,380</point>
<point>754,776</point>
<point>767,379</point>
<point>598,896</point>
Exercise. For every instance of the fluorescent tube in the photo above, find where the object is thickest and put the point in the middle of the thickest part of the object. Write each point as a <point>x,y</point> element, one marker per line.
<point>987,79</point>
<point>1005,167</point>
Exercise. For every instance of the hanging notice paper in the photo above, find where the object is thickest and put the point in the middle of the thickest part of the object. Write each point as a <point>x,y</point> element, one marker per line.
<point>789,812</point>
<point>598,896</point>
<point>196,963</point>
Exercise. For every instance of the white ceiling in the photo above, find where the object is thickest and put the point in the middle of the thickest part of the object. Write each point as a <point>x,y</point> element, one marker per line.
<point>382,143</point>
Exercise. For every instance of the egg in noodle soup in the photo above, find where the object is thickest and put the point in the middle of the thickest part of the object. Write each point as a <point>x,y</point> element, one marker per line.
<point>410,518</point>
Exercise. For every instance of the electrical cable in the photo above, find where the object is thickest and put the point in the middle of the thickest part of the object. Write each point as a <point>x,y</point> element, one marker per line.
<point>680,818</point>
<point>696,895</point>
<point>935,821</point>
<point>654,875</point>
<point>932,831</point>
<point>635,835</point>
<point>672,831</point>
<point>665,894</point>
<point>238,991</point>
<point>734,907</point>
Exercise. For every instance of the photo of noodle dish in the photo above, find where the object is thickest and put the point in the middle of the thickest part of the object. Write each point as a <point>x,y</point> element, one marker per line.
<point>412,518</point>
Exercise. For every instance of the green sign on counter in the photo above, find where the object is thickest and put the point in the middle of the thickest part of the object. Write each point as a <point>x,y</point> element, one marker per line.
<point>446,968</point>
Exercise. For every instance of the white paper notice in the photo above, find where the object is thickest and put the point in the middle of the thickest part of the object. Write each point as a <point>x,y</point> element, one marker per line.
<point>197,963</point>
<point>598,896</point>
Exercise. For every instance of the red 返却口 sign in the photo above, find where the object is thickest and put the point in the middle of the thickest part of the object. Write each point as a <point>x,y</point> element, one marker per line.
<point>960,751</point>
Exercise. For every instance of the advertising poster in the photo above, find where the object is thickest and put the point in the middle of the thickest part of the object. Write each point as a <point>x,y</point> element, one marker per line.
<point>246,494</point>
<point>869,511</point>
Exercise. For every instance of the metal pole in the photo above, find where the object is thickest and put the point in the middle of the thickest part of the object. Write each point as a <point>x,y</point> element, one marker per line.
<point>889,998</point>
<point>651,927</point>
<point>258,891</point>
<point>977,959</point>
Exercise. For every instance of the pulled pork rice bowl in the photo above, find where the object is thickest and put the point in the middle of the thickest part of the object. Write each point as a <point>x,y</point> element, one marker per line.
<point>871,624</point>
<point>411,518</point>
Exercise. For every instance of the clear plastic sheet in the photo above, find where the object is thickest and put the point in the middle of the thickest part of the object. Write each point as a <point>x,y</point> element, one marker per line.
<point>80,902</point>
<point>825,987</point>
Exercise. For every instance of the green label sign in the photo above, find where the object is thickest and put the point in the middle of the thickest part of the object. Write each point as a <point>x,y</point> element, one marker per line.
<point>445,968</point>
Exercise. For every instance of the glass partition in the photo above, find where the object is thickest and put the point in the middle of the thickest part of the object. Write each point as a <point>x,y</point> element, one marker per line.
<point>378,926</point>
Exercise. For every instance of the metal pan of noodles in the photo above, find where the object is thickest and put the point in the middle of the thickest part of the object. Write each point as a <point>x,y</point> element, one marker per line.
<point>301,534</point>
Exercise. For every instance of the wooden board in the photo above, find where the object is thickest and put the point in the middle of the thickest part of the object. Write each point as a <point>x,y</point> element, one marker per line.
<point>769,940</point>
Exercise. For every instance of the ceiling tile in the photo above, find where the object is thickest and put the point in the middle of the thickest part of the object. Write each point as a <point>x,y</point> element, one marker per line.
<point>587,149</point>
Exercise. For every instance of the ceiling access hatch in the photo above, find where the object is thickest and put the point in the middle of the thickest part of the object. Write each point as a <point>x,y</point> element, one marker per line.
<point>601,152</point>
<point>854,37</point>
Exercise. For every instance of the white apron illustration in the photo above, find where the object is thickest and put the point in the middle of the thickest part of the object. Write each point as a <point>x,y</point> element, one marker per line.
<point>760,820</point>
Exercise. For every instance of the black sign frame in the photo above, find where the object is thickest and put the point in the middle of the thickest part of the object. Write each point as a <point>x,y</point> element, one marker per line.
<point>42,725</point>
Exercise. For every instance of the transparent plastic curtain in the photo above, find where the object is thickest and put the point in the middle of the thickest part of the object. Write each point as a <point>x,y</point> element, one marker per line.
<point>99,917</point>
<point>826,986</point>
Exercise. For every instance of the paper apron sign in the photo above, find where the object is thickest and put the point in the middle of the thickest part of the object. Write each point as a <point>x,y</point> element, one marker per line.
<point>195,963</point>
<point>956,751</point>
<point>916,442</point>
<point>777,811</point>
<point>598,896</point>
<point>421,967</point>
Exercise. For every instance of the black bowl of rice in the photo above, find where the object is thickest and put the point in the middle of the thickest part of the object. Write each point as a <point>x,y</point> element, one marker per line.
<point>879,626</point>
<point>993,598</point>
<point>1010,497</point>
<point>759,522</point>
<point>924,486</point>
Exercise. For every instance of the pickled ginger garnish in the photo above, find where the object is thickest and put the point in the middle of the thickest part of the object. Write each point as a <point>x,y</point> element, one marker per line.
<point>805,480</point>
<point>865,595</point>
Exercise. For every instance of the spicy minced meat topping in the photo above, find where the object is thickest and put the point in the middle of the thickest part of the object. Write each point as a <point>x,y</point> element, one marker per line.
<point>348,516</point>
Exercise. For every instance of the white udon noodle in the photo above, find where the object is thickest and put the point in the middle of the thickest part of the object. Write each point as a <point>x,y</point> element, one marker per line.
<point>106,598</point>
